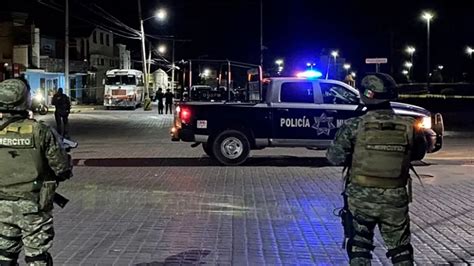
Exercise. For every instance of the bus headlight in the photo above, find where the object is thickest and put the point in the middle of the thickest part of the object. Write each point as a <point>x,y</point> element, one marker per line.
<point>425,122</point>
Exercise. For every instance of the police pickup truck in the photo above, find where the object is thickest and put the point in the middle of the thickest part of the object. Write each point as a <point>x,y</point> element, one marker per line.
<point>292,112</point>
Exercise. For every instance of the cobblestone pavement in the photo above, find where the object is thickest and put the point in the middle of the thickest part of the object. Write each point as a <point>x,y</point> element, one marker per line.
<point>139,199</point>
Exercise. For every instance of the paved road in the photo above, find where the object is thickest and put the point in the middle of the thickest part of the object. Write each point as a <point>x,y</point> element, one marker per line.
<point>139,199</point>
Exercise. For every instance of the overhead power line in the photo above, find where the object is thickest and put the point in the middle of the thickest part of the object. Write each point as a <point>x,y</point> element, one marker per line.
<point>118,32</point>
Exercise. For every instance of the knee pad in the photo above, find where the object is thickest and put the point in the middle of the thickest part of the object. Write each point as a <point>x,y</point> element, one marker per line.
<point>355,243</point>
<point>395,254</point>
<point>44,258</point>
<point>359,254</point>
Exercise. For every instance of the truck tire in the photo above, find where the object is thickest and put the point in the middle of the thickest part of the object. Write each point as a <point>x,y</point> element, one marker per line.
<point>207,147</point>
<point>231,147</point>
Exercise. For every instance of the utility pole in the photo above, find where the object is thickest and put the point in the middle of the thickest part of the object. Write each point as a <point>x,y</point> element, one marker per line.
<point>66,53</point>
<point>172,67</point>
<point>150,47</point>
<point>428,54</point>
<point>145,78</point>
<point>261,33</point>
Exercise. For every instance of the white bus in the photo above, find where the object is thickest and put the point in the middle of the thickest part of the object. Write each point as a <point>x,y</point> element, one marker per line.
<point>123,88</point>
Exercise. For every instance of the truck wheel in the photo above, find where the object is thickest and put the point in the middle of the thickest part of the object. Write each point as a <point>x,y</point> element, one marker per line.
<point>207,147</point>
<point>231,147</point>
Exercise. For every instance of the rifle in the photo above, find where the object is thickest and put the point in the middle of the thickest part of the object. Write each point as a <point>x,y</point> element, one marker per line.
<point>59,199</point>
<point>344,212</point>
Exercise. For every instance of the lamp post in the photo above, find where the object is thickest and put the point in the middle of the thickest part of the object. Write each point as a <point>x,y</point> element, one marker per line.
<point>428,17</point>
<point>261,33</point>
<point>408,65</point>
<point>206,73</point>
<point>160,15</point>
<point>469,51</point>
<point>334,54</point>
<point>142,31</point>
<point>162,49</point>
<point>310,65</point>
<point>410,51</point>
<point>347,67</point>
<point>279,63</point>
<point>67,88</point>
<point>405,72</point>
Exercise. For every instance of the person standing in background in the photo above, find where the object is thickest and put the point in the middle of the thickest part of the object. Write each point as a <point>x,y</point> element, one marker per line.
<point>159,97</point>
<point>169,101</point>
<point>63,107</point>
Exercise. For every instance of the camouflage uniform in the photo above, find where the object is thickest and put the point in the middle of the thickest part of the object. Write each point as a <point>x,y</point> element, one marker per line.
<point>32,161</point>
<point>371,205</point>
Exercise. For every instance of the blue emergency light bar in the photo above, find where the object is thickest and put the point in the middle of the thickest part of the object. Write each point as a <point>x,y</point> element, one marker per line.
<point>310,74</point>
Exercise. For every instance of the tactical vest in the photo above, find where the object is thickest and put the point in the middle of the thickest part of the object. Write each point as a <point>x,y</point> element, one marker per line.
<point>19,159</point>
<point>382,151</point>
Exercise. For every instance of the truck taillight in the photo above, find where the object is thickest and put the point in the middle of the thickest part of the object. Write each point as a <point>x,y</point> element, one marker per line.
<point>185,115</point>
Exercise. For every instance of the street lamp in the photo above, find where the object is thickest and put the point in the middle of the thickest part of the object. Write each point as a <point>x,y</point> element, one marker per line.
<point>162,49</point>
<point>161,15</point>
<point>347,67</point>
<point>408,65</point>
<point>334,54</point>
<point>469,51</point>
<point>410,50</point>
<point>206,73</point>
<point>428,17</point>
<point>440,67</point>
<point>279,63</point>
<point>310,65</point>
<point>353,74</point>
<point>405,72</point>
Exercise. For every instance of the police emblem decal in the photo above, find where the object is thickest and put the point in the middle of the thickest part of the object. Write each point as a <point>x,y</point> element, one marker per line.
<point>323,124</point>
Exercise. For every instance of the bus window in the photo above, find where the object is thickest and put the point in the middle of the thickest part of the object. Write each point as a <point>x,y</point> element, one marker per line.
<point>120,80</point>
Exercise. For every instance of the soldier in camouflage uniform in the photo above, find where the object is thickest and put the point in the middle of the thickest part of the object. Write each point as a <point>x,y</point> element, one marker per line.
<point>377,148</point>
<point>32,162</point>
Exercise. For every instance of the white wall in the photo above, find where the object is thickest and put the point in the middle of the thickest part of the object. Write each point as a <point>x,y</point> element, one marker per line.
<point>161,80</point>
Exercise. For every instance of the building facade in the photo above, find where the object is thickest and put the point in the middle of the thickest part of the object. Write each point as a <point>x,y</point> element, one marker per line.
<point>96,46</point>
<point>19,44</point>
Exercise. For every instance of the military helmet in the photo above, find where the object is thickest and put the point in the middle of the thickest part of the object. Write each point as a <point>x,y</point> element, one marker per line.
<point>376,88</point>
<point>14,95</point>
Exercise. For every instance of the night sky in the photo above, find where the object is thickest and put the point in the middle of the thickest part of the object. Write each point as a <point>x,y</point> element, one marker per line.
<point>297,30</point>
